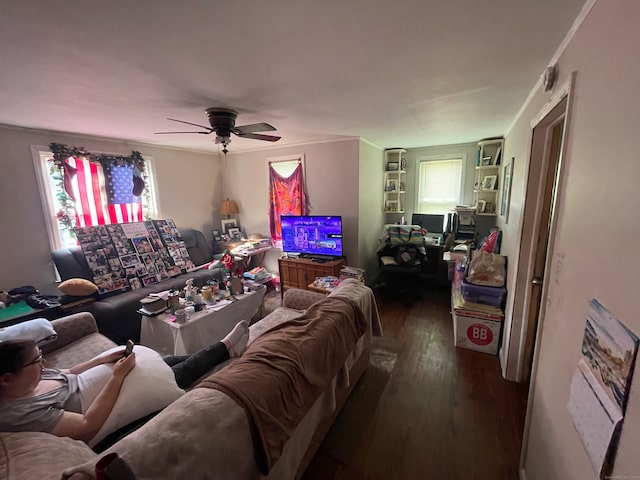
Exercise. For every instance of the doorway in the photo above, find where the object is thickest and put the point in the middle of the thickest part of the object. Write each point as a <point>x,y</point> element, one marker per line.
<point>548,135</point>
<point>544,181</point>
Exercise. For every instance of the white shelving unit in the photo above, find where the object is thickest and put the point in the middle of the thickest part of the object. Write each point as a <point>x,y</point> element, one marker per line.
<point>395,180</point>
<point>487,176</point>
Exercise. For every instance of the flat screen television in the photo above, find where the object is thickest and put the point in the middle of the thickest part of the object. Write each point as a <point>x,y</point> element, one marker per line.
<point>312,235</point>
<point>433,223</point>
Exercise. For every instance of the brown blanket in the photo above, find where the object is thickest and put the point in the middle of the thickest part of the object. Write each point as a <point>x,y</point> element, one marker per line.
<point>284,370</point>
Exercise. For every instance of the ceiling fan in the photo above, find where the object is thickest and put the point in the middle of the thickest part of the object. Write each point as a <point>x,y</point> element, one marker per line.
<point>223,124</point>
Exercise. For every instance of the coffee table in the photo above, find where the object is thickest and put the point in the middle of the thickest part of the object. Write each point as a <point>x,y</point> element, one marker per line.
<point>204,328</point>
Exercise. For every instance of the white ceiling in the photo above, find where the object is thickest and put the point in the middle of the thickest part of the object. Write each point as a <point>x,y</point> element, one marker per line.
<point>403,73</point>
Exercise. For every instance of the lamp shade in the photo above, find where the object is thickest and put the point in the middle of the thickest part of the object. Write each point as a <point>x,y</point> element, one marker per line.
<point>228,207</point>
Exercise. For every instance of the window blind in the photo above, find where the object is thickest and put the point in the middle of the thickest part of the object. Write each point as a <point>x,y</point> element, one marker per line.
<point>439,185</point>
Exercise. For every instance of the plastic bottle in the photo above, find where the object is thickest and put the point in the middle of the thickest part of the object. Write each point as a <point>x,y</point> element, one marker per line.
<point>189,290</point>
<point>174,301</point>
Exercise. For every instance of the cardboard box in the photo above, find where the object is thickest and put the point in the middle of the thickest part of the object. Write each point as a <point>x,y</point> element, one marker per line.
<point>476,333</point>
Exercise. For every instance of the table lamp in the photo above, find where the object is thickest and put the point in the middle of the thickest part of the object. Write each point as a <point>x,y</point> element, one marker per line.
<point>229,208</point>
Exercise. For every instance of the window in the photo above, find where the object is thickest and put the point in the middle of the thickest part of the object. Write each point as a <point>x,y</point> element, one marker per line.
<point>287,195</point>
<point>439,182</point>
<point>101,198</point>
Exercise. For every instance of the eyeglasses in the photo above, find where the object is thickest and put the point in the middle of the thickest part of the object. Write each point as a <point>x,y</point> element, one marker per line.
<point>38,359</point>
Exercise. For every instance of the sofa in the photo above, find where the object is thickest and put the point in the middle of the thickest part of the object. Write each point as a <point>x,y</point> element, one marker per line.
<point>206,433</point>
<point>116,314</point>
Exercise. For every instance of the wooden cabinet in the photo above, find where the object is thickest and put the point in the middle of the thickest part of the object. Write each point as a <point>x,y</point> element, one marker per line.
<point>395,180</point>
<point>300,272</point>
<point>485,189</point>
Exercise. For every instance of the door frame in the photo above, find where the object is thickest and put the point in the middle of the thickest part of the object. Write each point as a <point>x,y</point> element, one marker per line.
<point>539,158</point>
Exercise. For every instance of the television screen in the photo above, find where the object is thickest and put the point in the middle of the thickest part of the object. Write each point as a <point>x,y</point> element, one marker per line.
<point>433,223</point>
<point>312,235</point>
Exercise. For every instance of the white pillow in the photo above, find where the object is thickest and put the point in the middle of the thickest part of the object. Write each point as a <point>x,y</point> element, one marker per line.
<point>39,330</point>
<point>149,387</point>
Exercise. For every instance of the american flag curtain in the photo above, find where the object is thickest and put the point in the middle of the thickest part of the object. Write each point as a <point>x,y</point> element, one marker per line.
<point>287,197</point>
<point>104,197</point>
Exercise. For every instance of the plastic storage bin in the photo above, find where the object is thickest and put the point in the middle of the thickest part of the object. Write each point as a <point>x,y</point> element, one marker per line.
<point>480,294</point>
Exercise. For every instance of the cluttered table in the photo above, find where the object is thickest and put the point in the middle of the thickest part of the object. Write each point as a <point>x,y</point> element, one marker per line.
<point>168,337</point>
<point>21,311</point>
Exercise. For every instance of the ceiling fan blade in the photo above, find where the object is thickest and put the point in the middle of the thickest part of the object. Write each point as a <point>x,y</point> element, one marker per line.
<point>254,127</point>
<point>258,136</point>
<point>166,133</point>
<point>189,123</point>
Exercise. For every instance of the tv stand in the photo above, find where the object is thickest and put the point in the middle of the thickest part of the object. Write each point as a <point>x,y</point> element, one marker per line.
<point>300,272</point>
<point>318,257</point>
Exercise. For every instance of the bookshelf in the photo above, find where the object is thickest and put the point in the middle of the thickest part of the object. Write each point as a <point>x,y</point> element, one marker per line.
<point>487,176</point>
<point>395,180</point>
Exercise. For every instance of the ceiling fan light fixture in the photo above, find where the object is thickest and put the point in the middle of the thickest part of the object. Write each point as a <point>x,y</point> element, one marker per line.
<point>223,124</point>
<point>223,140</point>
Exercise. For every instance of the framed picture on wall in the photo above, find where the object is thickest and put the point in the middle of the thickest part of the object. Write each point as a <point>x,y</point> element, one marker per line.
<point>505,199</point>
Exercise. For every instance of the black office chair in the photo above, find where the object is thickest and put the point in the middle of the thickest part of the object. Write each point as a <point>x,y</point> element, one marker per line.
<point>401,260</point>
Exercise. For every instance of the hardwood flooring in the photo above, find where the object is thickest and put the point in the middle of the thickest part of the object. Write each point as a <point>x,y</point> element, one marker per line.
<point>445,413</point>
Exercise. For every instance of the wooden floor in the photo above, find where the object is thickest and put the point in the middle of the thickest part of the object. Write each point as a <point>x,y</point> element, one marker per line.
<point>445,413</point>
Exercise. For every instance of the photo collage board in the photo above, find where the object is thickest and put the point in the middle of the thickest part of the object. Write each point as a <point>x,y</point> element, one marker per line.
<point>126,256</point>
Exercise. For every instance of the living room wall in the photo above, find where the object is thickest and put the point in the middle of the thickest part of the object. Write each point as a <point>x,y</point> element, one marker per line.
<point>592,254</point>
<point>371,219</point>
<point>188,190</point>
<point>331,176</point>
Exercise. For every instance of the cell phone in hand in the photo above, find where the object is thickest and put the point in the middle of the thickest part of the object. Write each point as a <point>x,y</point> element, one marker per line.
<point>128,349</point>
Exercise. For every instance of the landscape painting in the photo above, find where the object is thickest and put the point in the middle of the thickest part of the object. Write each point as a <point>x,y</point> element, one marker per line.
<point>610,349</point>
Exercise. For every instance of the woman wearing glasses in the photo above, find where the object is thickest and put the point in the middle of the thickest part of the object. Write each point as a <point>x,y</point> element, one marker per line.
<point>38,399</point>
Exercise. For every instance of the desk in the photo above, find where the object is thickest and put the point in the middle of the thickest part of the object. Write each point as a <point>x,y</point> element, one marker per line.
<point>247,255</point>
<point>435,267</point>
<point>201,330</point>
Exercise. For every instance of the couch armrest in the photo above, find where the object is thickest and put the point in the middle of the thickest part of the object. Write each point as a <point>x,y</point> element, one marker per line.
<point>70,329</point>
<point>301,299</point>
